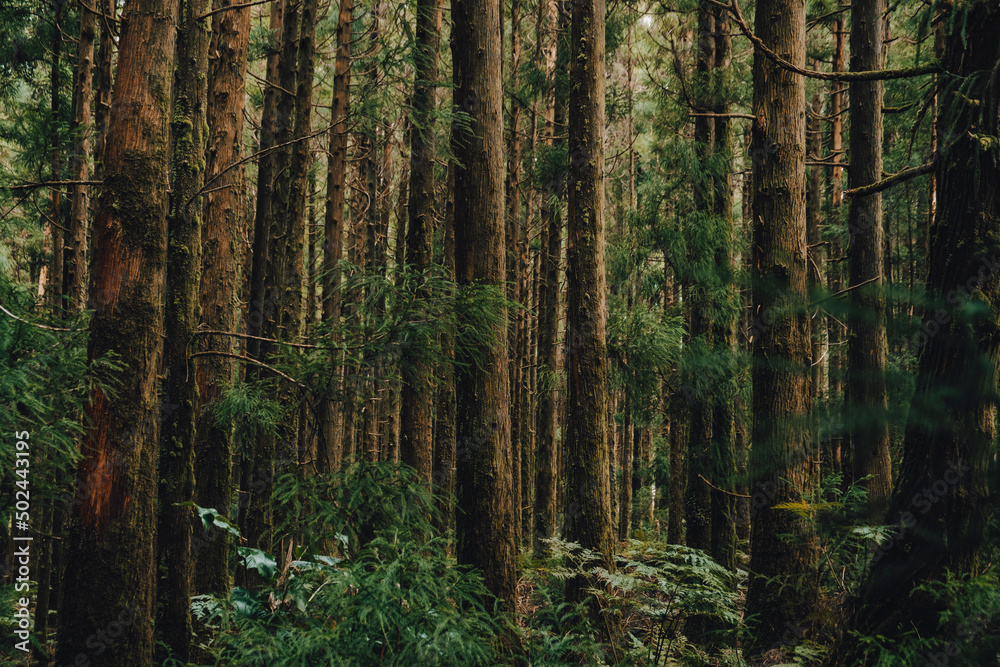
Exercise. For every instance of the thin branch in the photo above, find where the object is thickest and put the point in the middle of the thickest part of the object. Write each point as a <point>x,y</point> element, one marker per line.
<point>254,156</point>
<point>887,183</point>
<point>32,324</point>
<point>248,360</point>
<point>709,114</point>
<point>845,290</point>
<point>212,332</point>
<point>226,9</point>
<point>49,184</point>
<point>728,493</point>
<point>821,163</point>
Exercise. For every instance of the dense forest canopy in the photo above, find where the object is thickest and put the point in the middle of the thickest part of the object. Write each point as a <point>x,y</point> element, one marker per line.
<point>524,332</point>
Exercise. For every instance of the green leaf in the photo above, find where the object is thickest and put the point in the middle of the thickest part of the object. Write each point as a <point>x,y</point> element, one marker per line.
<point>255,559</point>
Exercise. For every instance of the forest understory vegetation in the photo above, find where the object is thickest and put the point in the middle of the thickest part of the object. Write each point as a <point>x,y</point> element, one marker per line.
<point>454,332</point>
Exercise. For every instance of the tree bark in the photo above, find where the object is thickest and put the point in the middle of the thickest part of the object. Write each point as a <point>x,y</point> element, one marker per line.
<point>224,223</point>
<point>257,470</point>
<point>867,399</point>
<point>416,433</point>
<point>781,585</point>
<point>110,571</point>
<point>548,306</point>
<point>484,477</point>
<point>331,424</point>
<point>181,318</point>
<point>588,484</point>
<point>75,256</point>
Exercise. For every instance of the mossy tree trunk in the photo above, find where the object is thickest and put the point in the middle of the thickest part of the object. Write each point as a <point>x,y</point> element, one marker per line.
<point>110,574</point>
<point>182,315</point>
<point>257,469</point>
<point>587,455</point>
<point>224,223</point>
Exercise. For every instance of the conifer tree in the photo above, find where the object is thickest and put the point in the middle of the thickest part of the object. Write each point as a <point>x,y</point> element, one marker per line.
<point>110,572</point>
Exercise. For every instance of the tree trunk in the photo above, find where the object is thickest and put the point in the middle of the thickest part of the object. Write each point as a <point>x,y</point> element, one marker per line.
<point>445,434</point>
<point>548,306</point>
<point>781,585</point>
<point>588,484</point>
<point>331,425</point>
<point>700,387</point>
<point>111,568</point>
<point>484,478</point>
<point>941,501</point>
<point>257,470</point>
<point>416,436</point>
<point>75,257</point>
<point>50,277</point>
<point>675,405</point>
<point>181,318</point>
<point>724,414</point>
<point>867,401</point>
<point>835,330</point>
<point>224,224</point>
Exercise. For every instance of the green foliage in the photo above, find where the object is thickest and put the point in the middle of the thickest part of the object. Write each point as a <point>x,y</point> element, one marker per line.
<point>968,632</point>
<point>397,598</point>
<point>655,587</point>
<point>349,508</point>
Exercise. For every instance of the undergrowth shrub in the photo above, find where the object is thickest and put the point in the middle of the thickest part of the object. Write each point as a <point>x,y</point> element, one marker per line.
<point>391,596</point>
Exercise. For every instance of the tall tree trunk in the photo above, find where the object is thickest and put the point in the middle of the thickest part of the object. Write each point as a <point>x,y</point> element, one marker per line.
<point>110,571</point>
<point>484,478</point>
<point>51,278</point>
<point>331,425</point>
<point>445,433</point>
<point>257,470</point>
<point>293,226</point>
<point>701,394</point>
<point>724,415</point>
<point>836,331</point>
<point>416,443</point>
<point>224,223</point>
<point>102,96</point>
<point>941,500</point>
<point>515,244</point>
<point>181,318</point>
<point>75,257</point>
<point>675,408</point>
<point>814,236</point>
<point>781,583</point>
<point>548,306</point>
<point>587,456</point>
<point>867,401</point>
